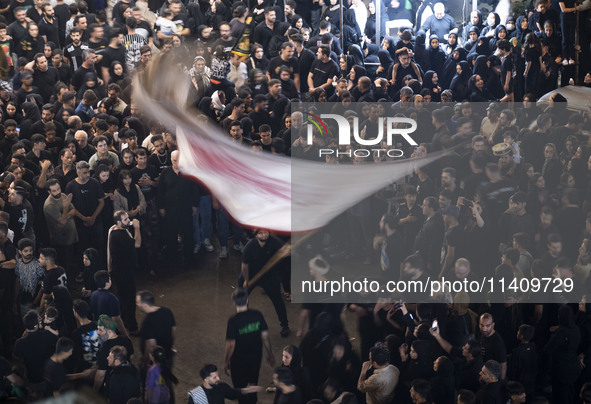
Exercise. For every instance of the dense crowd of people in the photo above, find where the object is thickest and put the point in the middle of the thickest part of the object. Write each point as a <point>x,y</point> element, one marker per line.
<point>92,195</point>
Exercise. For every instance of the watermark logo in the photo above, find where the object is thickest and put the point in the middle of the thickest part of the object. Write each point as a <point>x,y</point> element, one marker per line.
<point>356,135</point>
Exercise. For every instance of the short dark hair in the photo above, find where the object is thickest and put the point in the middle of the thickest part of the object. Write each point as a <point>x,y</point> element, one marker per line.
<point>493,367</point>
<point>527,332</point>
<point>49,252</point>
<point>119,353</point>
<point>81,308</point>
<point>512,254</point>
<point>31,320</point>
<point>422,388</point>
<point>240,297</point>
<point>415,261</point>
<point>146,297</point>
<point>206,370</point>
<point>515,388</point>
<point>284,375</point>
<point>380,355</point>
<point>466,397</point>
<point>64,344</point>
<point>325,50</point>
<point>431,202</point>
<point>101,278</point>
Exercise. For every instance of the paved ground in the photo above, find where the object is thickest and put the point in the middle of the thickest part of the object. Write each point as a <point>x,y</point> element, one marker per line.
<point>199,297</point>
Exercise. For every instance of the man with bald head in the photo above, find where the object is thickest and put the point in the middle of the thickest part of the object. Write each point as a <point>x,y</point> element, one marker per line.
<point>177,201</point>
<point>440,23</point>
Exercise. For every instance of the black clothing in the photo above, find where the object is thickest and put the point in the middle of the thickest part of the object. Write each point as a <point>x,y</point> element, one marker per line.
<point>123,384</point>
<point>158,326</point>
<point>35,348</point>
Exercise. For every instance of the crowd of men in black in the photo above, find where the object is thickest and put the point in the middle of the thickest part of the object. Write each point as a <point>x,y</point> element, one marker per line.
<point>90,183</point>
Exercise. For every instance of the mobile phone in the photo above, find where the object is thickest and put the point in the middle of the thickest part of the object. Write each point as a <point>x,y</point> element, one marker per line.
<point>468,203</point>
<point>434,325</point>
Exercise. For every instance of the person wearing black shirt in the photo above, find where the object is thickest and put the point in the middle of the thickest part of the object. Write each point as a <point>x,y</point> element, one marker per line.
<point>18,29</point>
<point>124,382</point>
<point>287,391</point>
<point>86,338</point>
<point>158,327</point>
<point>430,238</point>
<point>493,392</point>
<point>493,346</point>
<point>507,67</point>
<point>88,57</point>
<point>108,327</point>
<point>55,372</point>
<point>122,263</point>
<point>160,159</point>
<point>177,201</point>
<point>114,52</point>
<point>35,348</point>
<point>45,77</point>
<point>215,390</point>
<point>257,252</point>
<point>88,199</point>
<point>246,334</point>
<point>264,31</point>
<point>54,274</point>
<point>73,51</point>
<point>323,70</point>
<point>48,27</point>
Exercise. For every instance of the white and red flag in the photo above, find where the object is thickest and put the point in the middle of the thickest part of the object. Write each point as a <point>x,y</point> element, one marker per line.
<point>257,189</point>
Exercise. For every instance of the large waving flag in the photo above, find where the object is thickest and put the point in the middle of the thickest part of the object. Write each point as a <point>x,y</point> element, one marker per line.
<point>258,189</point>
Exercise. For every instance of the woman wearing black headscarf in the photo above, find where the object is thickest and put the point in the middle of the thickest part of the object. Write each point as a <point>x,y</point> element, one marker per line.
<point>475,21</point>
<point>354,75</point>
<point>449,68</point>
<point>416,362</point>
<point>477,92</point>
<point>387,56</point>
<point>443,388</point>
<point>351,31</point>
<point>521,29</point>
<point>500,33</point>
<point>492,20</point>
<point>482,67</point>
<point>480,49</point>
<point>431,81</point>
<point>371,56</point>
<point>435,56</point>
<point>257,59</point>
<point>92,264</point>
<point>452,43</point>
<point>206,107</point>
<point>357,54</point>
<point>62,301</point>
<point>31,115</point>
<point>292,359</point>
<point>459,84</point>
<point>346,63</point>
<point>564,363</point>
<point>344,365</point>
<point>278,38</point>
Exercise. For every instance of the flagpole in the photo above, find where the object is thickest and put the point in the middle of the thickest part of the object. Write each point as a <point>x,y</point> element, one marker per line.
<point>341,26</point>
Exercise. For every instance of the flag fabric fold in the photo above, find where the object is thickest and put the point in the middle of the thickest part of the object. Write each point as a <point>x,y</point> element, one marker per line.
<point>260,189</point>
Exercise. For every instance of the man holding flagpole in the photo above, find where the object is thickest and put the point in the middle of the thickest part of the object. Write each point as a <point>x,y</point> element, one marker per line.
<point>257,252</point>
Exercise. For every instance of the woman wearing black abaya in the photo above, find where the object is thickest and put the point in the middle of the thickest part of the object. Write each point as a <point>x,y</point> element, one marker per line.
<point>351,31</point>
<point>431,82</point>
<point>316,347</point>
<point>357,54</point>
<point>435,56</point>
<point>387,56</point>
<point>480,49</point>
<point>443,386</point>
<point>449,68</point>
<point>371,56</point>
<point>416,362</point>
<point>344,365</point>
<point>92,264</point>
<point>292,359</point>
<point>31,115</point>
<point>500,33</point>
<point>521,29</point>
<point>459,84</point>
<point>206,107</point>
<point>482,67</point>
<point>354,75</point>
<point>478,92</point>
<point>63,303</point>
